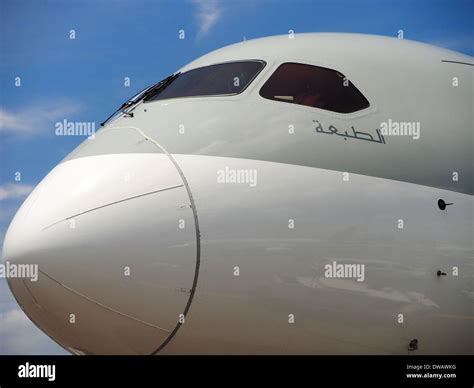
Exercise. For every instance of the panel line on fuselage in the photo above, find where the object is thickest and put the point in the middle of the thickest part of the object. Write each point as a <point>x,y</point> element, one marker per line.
<point>198,238</point>
<point>113,203</point>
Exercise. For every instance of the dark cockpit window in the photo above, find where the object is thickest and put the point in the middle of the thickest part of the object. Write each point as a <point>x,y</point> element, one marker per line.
<point>214,80</point>
<point>314,86</point>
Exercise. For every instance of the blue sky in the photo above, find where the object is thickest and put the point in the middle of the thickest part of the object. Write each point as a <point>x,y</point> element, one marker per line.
<point>82,79</point>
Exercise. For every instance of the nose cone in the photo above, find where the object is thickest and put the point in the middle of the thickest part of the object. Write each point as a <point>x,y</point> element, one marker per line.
<point>114,262</point>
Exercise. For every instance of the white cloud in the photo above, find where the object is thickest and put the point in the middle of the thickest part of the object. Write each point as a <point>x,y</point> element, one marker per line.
<point>13,319</point>
<point>18,335</point>
<point>14,190</point>
<point>34,120</point>
<point>208,13</point>
<point>8,120</point>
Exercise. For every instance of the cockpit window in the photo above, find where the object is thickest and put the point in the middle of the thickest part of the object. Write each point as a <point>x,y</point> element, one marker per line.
<point>214,80</point>
<point>314,86</point>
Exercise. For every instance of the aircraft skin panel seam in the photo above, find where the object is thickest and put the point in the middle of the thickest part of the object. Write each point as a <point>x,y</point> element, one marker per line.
<point>101,304</point>
<point>114,203</point>
<point>198,239</point>
<point>29,315</point>
<point>31,294</point>
<point>457,62</point>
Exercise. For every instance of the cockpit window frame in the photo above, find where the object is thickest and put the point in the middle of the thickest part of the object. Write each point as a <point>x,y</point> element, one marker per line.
<point>264,63</point>
<point>369,106</point>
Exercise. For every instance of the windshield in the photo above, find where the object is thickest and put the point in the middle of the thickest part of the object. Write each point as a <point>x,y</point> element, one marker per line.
<point>221,79</point>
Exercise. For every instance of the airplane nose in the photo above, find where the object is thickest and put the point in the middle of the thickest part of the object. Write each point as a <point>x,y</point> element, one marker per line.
<point>114,243</point>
